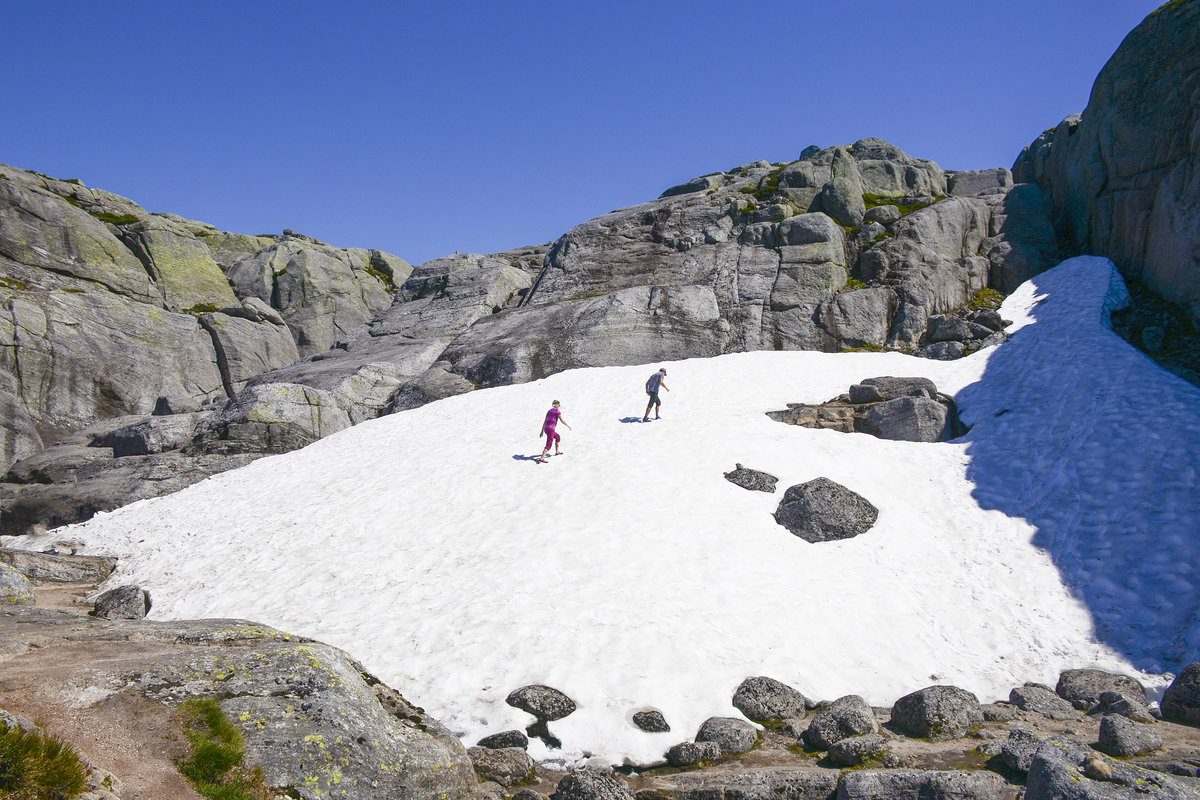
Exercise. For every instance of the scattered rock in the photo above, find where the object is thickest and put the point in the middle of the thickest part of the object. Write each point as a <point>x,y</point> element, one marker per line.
<point>908,419</point>
<point>843,718</point>
<point>123,602</point>
<point>855,750</point>
<point>15,588</point>
<point>822,510</point>
<point>590,784</point>
<point>1067,768</point>
<point>506,766</point>
<point>1181,701</point>
<point>938,713</point>
<point>651,721</point>
<point>767,700</point>
<point>904,409</point>
<point>878,390</point>
<point>919,784</point>
<point>685,754</point>
<point>1041,699</point>
<point>731,735</point>
<point>1082,687</point>
<point>752,479</point>
<point>543,702</point>
<point>1126,703</point>
<point>498,741</point>
<point>1019,749</point>
<point>527,794</point>
<point>998,712</point>
<point>748,783</point>
<point>1122,737</point>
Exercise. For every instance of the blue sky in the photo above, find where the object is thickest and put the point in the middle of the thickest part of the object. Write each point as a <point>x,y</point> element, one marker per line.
<point>426,128</point>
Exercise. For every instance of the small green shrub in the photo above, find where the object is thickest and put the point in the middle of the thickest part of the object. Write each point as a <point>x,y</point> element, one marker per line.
<point>11,283</point>
<point>872,200</point>
<point>201,308</point>
<point>38,767</point>
<point>985,298</point>
<point>114,219</point>
<point>215,765</point>
<point>853,283</point>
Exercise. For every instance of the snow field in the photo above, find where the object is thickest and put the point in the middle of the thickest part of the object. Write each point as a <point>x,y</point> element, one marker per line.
<point>630,574</point>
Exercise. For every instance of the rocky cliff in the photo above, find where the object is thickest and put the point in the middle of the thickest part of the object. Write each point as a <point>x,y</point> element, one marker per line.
<point>1123,178</point>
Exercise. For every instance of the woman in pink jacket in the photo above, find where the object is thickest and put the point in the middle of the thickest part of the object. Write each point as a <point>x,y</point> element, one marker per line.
<point>553,417</point>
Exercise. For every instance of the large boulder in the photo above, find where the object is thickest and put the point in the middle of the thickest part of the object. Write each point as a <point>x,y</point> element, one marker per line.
<point>1181,700</point>
<point>920,784</point>
<point>1124,179</point>
<point>938,713</point>
<point>822,511</point>
<point>1032,697</point>
<point>544,702</point>
<point>55,568</point>
<point>507,766</point>
<point>1082,687</point>
<point>766,700</point>
<point>843,718</point>
<point>731,734</point>
<point>123,602</point>
<point>908,419</point>
<point>15,588</point>
<point>1122,737</point>
<point>274,418</point>
<point>591,784</point>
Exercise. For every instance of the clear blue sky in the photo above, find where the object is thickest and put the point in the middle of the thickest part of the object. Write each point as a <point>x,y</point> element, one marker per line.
<point>424,128</point>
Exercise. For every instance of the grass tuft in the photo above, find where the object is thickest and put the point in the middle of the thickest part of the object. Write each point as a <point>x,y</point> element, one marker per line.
<point>34,766</point>
<point>215,765</point>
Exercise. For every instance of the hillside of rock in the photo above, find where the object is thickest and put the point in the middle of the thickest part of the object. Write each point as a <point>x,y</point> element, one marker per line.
<point>1123,178</point>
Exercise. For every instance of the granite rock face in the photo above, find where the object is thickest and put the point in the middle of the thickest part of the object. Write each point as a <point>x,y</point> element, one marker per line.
<point>1123,179</point>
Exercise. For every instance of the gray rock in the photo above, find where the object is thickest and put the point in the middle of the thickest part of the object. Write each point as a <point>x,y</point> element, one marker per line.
<point>50,568</point>
<point>590,784</point>
<point>938,713</point>
<point>695,185</point>
<point>908,419</point>
<point>543,702</point>
<point>651,721</point>
<point>884,215</point>
<point>860,317</point>
<point>19,438</point>
<point>766,700</point>
<point>1123,178</point>
<point>1131,704</point>
<point>942,351</point>
<point>1083,687</point>
<point>181,266</point>
<point>685,754</point>
<point>998,712</point>
<point>949,328</point>
<point>1122,737</point>
<point>154,434</point>
<point>918,784</point>
<point>1181,700</point>
<point>274,418</point>
<point>1040,699</point>
<point>843,718</point>
<point>1068,768</point>
<point>504,739</point>
<point>855,750</point>
<point>123,602</point>
<point>15,588</point>
<point>287,695</point>
<point>876,390</point>
<point>506,766</point>
<point>821,510</point>
<point>988,318</point>
<point>247,348</point>
<point>748,783</point>
<point>1019,749</point>
<point>979,181</point>
<point>732,735</point>
<point>435,383</point>
<point>753,480</point>
<point>527,794</point>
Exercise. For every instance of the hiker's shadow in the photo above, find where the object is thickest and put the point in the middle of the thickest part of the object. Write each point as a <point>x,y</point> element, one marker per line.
<point>630,419</point>
<point>519,457</point>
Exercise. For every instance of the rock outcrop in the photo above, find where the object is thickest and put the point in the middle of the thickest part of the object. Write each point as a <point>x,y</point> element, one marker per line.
<point>1123,178</point>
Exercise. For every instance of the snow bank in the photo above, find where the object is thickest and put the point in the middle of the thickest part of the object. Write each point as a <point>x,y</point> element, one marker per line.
<point>629,574</point>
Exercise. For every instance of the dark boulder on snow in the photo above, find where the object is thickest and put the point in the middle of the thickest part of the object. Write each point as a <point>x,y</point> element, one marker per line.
<point>651,721</point>
<point>504,739</point>
<point>767,700</point>
<point>685,754</point>
<point>938,713</point>
<point>908,419</point>
<point>123,602</point>
<point>752,479</point>
<point>544,702</point>
<point>1122,737</point>
<point>732,735</point>
<point>1181,701</point>
<point>898,408</point>
<point>842,719</point>
<point>1082,687</point>
<point>822,511</point>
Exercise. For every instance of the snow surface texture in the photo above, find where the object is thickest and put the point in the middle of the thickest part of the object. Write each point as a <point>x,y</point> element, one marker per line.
<point>630,574</point>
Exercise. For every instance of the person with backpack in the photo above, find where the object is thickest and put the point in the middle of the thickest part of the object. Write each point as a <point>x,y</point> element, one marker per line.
<point>652,386</point>
<point>553,417</point>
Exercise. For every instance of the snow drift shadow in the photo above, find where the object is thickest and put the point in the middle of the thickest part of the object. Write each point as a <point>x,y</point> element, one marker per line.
<point>1077,432</point>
